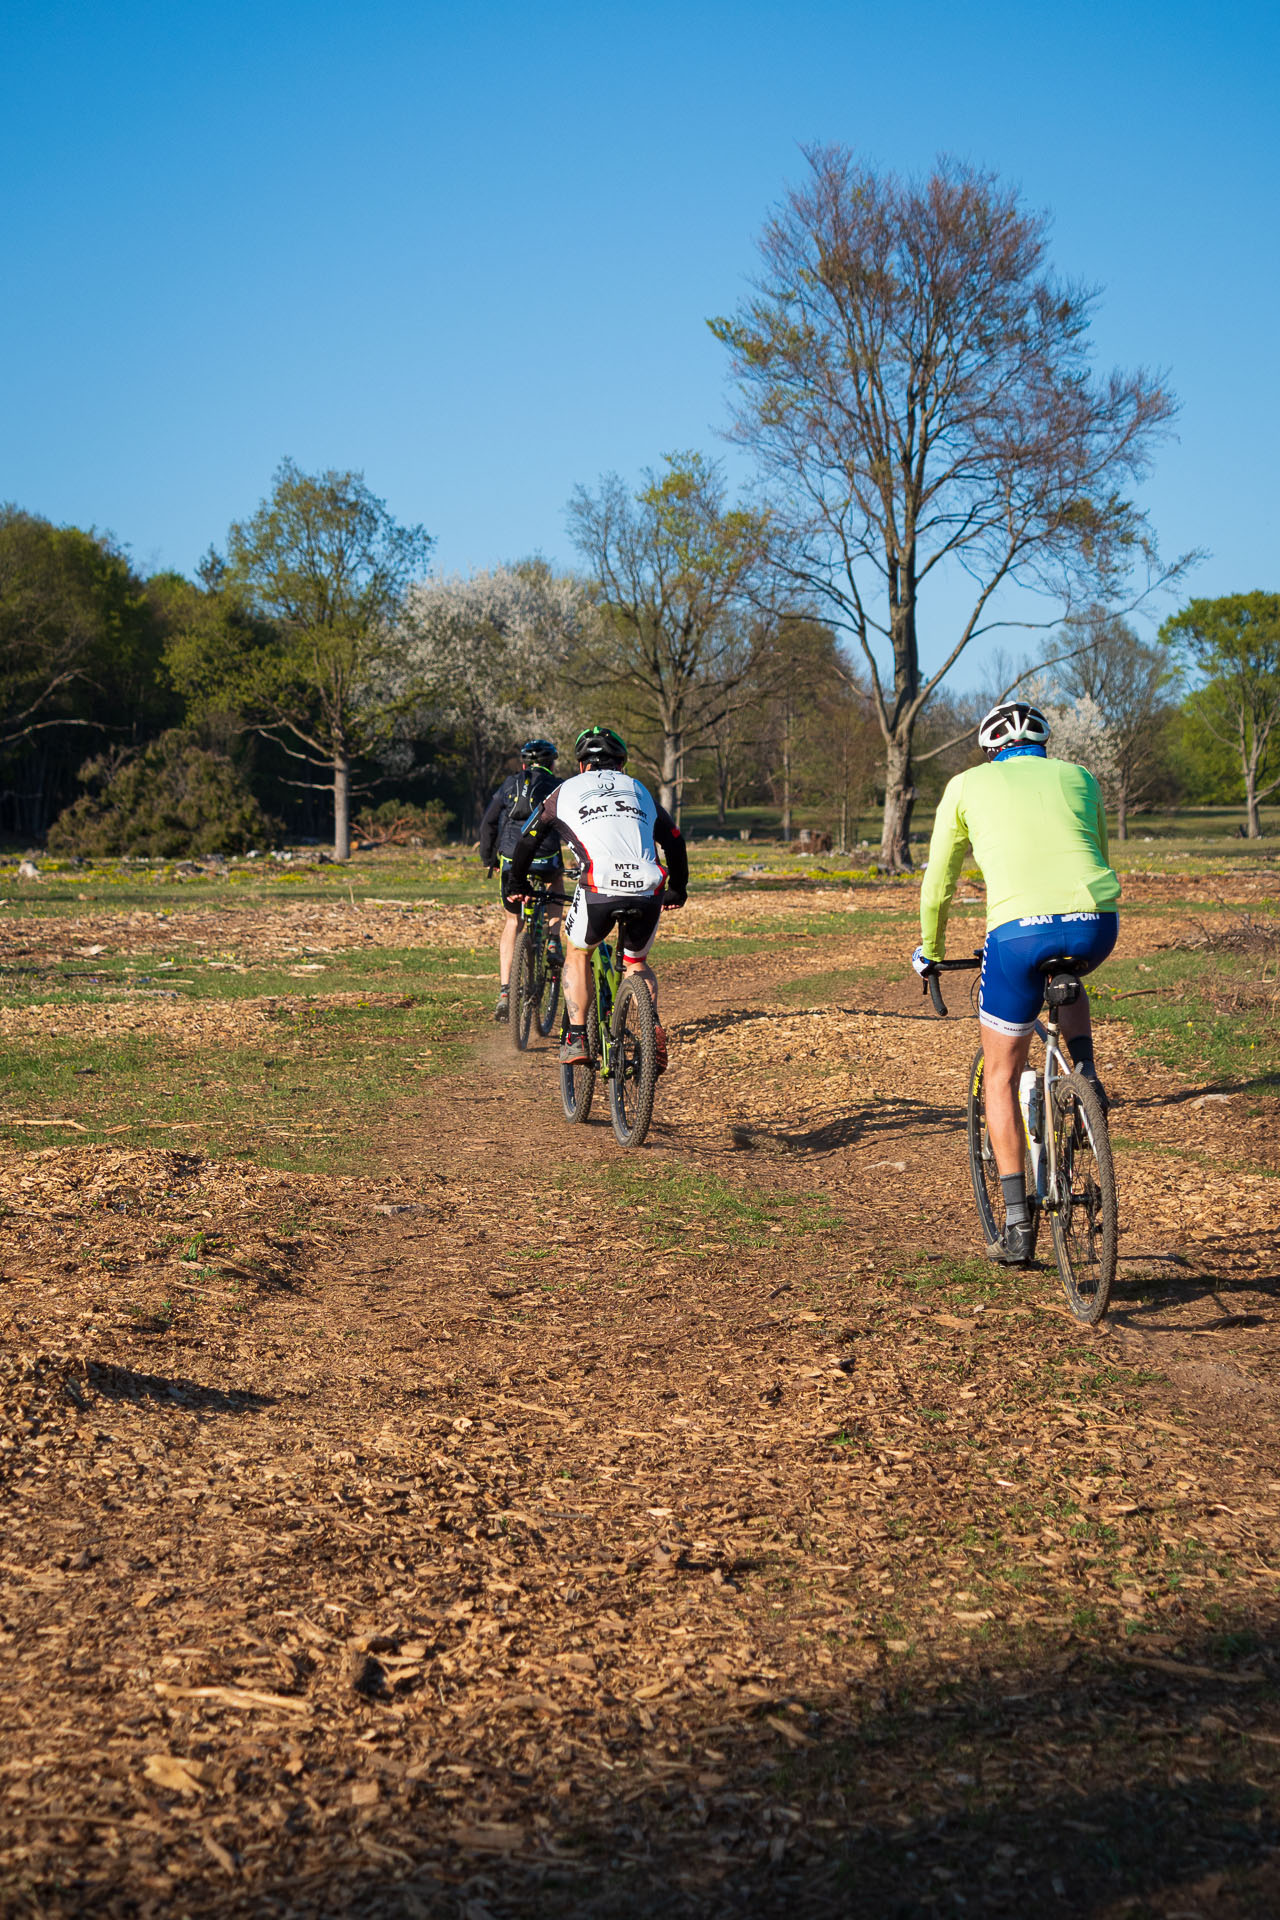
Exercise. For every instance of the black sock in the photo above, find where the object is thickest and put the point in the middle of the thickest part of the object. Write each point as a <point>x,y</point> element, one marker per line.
<point>1014,1188</point>
<point>577,1033</point>
<point>1082,1053</point>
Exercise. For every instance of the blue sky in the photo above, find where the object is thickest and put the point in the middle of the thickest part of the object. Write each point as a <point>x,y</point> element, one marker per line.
<point>472,249</point>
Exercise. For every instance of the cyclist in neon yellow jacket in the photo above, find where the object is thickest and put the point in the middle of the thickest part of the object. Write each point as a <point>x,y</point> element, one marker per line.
<point>1038,830</point>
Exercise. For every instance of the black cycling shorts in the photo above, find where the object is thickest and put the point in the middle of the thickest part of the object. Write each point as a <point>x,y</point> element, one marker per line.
<point>546,868</point>
<point>593,916</point>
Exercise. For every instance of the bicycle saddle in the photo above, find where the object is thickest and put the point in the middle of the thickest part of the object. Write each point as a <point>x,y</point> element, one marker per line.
<point>1062,982</point>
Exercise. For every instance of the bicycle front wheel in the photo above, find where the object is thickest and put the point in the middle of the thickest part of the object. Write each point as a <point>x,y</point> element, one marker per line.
<point>983,1171</point>
<point>1086,1224</point>
<point>634,1074</point>
<point>524,967</point>
<point>578,1084</point>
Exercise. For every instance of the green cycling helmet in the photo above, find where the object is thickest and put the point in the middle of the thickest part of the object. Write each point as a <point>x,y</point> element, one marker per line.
<point>600,747</point>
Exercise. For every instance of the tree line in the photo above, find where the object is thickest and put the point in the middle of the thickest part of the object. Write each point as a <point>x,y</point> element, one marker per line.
<point>917,394</point>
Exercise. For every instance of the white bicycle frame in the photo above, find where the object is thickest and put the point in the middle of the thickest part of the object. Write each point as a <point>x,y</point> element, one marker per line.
<point>1056,1066</point>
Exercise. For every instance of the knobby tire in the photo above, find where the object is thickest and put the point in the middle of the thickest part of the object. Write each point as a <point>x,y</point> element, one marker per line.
<point>523,976</point>
<point>1086,1226</point>
<point>578,1084</point>
<point>547,994</point>
<point>633,1079</point>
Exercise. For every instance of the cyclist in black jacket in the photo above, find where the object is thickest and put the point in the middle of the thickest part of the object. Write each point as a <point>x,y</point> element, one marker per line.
<point>515,803</point>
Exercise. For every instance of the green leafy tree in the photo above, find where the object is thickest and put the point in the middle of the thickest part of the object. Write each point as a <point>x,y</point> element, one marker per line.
<point>1234,644</point>
<point>81,639</point>
<point>677,570</point>
<point>301,639</point>
<point>918,391</point>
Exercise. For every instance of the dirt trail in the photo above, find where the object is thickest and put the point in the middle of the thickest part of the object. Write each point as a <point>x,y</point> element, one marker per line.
<point>556,1534</point>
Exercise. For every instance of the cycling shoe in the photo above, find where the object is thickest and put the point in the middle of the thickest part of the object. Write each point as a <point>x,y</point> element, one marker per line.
<point>1015,1248</point>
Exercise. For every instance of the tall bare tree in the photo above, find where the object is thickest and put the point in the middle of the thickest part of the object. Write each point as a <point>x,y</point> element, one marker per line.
<point>918,391</point>
<point>676,569</point>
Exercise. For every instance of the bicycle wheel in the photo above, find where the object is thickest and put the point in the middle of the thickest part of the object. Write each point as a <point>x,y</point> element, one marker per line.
<point>983,1171</point>
<point>635,1063</point>
<point>578,1084</point>
<point>546,994</point>
<point>524,963</point>
<point>1086,1224</point>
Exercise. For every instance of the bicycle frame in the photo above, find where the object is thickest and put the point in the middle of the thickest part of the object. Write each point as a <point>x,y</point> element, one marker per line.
<point>1056,1066</point>
<point>606,978</point>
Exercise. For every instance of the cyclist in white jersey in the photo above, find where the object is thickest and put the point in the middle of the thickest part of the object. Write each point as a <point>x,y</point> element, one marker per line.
<point>616,828</point>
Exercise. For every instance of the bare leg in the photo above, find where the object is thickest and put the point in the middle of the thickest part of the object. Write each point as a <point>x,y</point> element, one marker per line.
<point>574,981</point>
<point>1004,1056</point>
<point>507,947</point>
<point>649,977</point>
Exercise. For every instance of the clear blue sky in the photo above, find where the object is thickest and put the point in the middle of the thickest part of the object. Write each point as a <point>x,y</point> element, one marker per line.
<point>471,248</point>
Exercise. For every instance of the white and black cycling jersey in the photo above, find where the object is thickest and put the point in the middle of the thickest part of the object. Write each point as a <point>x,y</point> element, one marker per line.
<point>615,827</point>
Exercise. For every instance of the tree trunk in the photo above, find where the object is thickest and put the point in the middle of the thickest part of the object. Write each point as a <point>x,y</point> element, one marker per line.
<point>341,806</point>
<point>672,755</point>
<point>786,776</point>
<point>899,799</point>
<point>1254,829</point>
<point>844,823</point>
<point>1122,813</point>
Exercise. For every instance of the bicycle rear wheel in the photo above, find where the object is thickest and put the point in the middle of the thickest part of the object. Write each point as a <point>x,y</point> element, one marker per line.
<point>634,1074</point>
<point>983,1171</point>
<point>1086,1224</point>
<point>547,994</point>
<point>524,962</point>
<point>578,1084</point>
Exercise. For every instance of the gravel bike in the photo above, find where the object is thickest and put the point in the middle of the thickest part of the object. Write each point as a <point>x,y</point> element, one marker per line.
<point>622,1043</point>
<point>1070,1173</point>
<point>535,977</point>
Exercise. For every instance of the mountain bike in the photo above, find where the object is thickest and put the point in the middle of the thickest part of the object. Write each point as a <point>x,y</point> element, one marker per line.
<point>1070,1173</point>
<point>623,1046</point>
<point>535,980</point>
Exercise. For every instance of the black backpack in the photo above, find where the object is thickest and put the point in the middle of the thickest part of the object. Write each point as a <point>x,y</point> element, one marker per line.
<point>523,804</point>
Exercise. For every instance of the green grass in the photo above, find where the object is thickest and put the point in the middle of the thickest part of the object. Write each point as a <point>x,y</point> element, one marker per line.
<point>671,1207</point>
<point>1197,1011</point>
<point>835,982</point>
<point>296,1095</point>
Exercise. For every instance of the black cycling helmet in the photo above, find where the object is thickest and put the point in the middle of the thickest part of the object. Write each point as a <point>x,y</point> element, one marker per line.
<point>600,747</point>
<point>1013,723</point>
<point>538,753</point>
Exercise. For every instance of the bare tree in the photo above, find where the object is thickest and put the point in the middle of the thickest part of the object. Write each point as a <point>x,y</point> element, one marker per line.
<point>677,570</point>
<point>918,391</point>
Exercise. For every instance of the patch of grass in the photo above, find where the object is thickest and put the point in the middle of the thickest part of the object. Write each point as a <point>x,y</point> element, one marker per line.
<point>301,1105</point>
<point>1194,1011</point>
<point>672,1206</point>
<point>830,985</point>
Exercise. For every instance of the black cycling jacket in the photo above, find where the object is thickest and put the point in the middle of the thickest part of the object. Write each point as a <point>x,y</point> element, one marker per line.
<point>498,831</point>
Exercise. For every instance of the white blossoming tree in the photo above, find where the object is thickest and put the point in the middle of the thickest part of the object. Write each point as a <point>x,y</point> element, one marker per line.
<point>487,649</point>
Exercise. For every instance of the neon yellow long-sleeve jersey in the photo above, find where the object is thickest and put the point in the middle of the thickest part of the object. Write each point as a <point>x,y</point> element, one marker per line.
<point>1038,830</point>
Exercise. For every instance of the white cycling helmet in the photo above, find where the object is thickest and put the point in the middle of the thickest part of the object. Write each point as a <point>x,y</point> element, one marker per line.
<point>1014,723</point>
